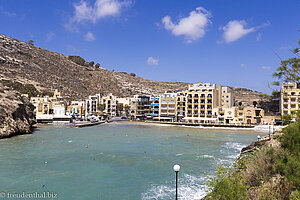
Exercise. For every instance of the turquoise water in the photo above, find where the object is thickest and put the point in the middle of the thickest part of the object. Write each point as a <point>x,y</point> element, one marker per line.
<point>116,161</point>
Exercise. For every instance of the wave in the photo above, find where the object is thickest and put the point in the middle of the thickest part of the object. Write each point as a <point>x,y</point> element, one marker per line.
<point>234,145</point>
<point>189,188</point>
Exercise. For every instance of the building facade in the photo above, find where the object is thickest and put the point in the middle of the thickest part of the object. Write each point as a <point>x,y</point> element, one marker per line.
<point>289,99</point>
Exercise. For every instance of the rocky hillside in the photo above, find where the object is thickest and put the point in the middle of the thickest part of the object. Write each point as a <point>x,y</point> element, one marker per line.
<point>46,70</point>
<point>246,96</point>
<point>16,114</point>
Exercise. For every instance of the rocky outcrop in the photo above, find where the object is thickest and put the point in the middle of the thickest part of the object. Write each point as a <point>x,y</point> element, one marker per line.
<point>16,114</point>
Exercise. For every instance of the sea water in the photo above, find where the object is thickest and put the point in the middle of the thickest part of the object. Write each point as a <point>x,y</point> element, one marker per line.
<point>116,161</point>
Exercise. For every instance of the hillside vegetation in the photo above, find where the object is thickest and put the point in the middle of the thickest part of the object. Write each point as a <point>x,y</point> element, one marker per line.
<point>270,170</point>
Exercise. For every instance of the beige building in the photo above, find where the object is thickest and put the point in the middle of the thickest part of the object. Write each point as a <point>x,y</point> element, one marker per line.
<point>140,107</point>
<point>227,98</point>
<point>123,105</point>
<point>167,106</point>
<point>91,104</point>
<point>49,109</point>
<point>76,108</point>
<point>252,115</point>
<point>110,105</point>
<point>289,98</point>
<point>201,98</point>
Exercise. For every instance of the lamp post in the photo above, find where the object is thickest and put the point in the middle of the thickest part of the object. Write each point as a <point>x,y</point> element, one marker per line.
<point>176,169</point>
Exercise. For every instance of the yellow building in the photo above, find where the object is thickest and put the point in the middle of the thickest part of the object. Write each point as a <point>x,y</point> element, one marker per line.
<point>252,115</point>
<point>76,108</point>
<point>201,98</point>
<point>167,107</point>
<point>289,98</point>
<point>110,105</point>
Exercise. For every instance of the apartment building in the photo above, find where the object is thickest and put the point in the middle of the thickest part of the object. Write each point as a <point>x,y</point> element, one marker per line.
<point>92,104</point>
<point>140,107</point>
<point>154,108</point>
<point>200,99</point>
<point>227,100</point>
<point>76,108</point>
<point>167,106</point>
<point>123,106</point>
<point>180,106</point>
<point>289,98</point>
<point>110,104</point>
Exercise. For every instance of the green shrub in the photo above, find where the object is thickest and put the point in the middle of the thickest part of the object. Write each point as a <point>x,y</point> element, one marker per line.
<point>77,59</point>
<point>227,184</point>
<point>22,88</point>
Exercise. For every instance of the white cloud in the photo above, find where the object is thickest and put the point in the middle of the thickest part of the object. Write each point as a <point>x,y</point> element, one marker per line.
<point>258,37</point>
<point>235,30</point>
<point>100,9</point>
<point>243,65</point>
<point>89,37</point>
<point>152,61</point>
<point>192,27</point>
<point>266,68</point>
<point>49,36</point>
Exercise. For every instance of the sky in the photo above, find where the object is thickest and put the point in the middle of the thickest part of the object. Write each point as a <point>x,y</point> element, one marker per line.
<point>228,42</point>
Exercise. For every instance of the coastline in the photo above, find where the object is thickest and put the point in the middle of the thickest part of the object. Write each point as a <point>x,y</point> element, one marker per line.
<point>254,129</point>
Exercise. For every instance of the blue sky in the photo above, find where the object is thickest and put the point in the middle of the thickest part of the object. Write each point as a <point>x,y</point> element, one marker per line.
<point>228,42</point>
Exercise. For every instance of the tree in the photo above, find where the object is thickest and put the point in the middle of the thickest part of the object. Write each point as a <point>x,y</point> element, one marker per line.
<point>286,119</point>
<point>101,107</point>
<point>127,109</point>
<point>97,65</point>
<point>30,42</point>
<point>91,63</point>
<point>289,70</point>
<point>254,103</point>
<point>132,74</point>
<point>120,108</point>
<point>77,59</point>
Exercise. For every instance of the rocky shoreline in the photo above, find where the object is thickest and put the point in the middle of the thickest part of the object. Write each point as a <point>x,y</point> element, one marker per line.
<point>16,114</point>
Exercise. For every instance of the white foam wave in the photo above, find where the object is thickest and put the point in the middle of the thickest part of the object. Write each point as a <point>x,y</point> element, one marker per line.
<point>207,156</point>
<point>189,188</point>
<point>234,145</point>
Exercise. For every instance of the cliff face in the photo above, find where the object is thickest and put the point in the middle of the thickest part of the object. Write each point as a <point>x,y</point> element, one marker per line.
<point>16,114</point>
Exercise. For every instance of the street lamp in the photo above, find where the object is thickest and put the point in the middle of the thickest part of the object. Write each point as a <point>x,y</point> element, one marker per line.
<point>176,169</point>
